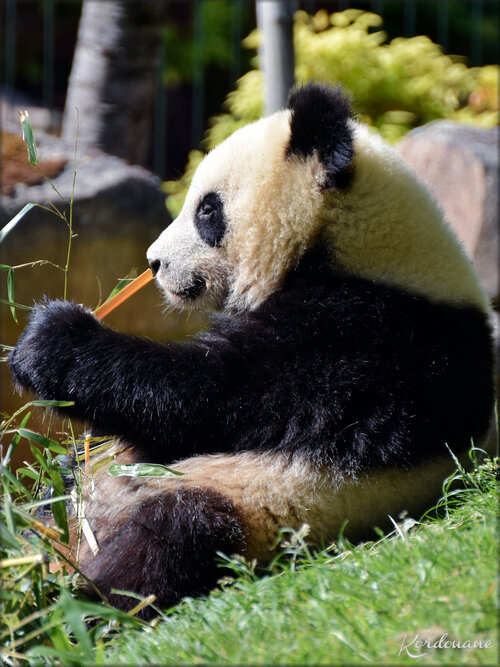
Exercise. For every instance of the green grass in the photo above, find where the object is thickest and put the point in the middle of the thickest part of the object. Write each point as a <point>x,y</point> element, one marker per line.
<point>360,605</point>
<point>347,605</point>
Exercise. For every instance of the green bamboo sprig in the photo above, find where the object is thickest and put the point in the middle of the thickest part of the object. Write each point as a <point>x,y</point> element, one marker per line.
<point>33,159</point>
<point>29,139</point>
<point>70,223</point>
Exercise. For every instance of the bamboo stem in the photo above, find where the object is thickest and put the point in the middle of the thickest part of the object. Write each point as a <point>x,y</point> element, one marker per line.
<point>123,294</point>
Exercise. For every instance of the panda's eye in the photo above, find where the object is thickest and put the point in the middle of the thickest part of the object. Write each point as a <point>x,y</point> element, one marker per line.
<point>210,220</point>
<point>206,209</point>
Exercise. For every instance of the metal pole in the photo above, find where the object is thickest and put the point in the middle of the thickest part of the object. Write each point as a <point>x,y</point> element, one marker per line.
<point>277,60</point>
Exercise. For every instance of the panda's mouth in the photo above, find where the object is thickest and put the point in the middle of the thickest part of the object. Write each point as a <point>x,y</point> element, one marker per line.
<point>198,291</point>
<point>190,292</point>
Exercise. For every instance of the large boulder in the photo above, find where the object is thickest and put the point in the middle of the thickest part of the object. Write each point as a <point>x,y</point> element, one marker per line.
<point>459,164</point>
<point>108,190</point>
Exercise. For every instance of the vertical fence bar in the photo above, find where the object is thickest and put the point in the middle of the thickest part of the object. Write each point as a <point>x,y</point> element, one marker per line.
<point>443,24</point>
<point>236,37</point>
<point>476,44</point>
<point>198,75</point>
<point>276,52</point>
<point>310,7</point>
<point>48,55</point>
<point>160,110</point>
<point>10,46</point>
<point>410,18</point>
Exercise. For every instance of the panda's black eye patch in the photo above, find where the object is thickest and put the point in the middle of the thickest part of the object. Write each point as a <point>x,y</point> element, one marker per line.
<point>210,220</point>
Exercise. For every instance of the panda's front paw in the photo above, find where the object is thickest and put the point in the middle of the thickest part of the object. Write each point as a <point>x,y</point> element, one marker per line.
<point>48,349</point>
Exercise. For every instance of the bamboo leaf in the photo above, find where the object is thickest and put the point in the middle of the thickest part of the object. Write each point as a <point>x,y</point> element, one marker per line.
<point>9,516</point>
<point>123,282</point>
<point>40,458</point>
<point>16,305</point>
<point>52,404</point>
<point>10,294</point>
<point>29,138</point>
<point>26,472</point>
<point>141,470</point>
<point>16,484</point>
<point>10,225</point>
<point>59,508</point>
<point>9,540</point>
<point>74,616</point>
<point>15,440</point>
<point>41,440</point>
<point>62,643</point>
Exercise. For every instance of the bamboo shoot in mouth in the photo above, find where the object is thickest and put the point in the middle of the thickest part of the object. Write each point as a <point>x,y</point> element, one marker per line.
<point>123,294</point>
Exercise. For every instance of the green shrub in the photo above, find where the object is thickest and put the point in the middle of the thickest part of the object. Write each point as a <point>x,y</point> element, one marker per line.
<point>394,86</point>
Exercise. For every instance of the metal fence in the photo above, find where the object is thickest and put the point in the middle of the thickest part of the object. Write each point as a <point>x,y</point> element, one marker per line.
<point>405,16</point>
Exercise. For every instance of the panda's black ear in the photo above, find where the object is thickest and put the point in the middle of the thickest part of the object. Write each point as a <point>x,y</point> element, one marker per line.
<point>319,122</point>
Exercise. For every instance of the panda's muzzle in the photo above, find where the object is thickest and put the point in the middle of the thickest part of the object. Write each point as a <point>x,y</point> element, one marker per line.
<point>193,290</point>
<point>185,292</point>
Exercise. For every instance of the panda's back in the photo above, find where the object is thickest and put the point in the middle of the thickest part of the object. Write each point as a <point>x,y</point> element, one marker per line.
<point>357,374</point>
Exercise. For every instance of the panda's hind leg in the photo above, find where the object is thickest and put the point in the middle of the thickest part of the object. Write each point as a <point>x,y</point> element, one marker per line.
<point>167,547</point>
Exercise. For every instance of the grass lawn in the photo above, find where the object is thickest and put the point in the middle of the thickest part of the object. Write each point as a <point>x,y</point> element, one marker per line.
<point>426,584</point>
<point>364,604</point>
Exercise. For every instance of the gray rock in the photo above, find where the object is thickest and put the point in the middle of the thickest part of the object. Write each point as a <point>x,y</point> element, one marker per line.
<point>459,164</point>
<point>108,191</point>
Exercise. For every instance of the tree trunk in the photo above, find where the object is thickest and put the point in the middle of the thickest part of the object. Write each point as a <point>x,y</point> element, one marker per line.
<point>112,82</point>
<point>275,20</point>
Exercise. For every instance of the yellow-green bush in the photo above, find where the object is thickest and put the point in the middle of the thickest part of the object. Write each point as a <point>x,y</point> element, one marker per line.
<point>394,86</point>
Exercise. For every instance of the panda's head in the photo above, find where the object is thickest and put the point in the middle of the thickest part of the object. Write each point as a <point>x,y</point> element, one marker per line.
<point>301,176</point>
<point>253,205</point>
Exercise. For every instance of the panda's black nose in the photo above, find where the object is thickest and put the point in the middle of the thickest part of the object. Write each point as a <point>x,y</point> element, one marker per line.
<point>154,265</point>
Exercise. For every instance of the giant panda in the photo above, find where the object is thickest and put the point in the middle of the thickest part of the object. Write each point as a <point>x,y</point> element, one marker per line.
<point>349,348</point>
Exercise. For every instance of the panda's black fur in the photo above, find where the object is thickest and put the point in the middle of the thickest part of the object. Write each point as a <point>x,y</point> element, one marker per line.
<point>337,377</point>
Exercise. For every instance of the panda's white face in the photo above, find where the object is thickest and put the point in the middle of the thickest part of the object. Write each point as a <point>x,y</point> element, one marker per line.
<point>249,214</point>
<point>191,270</point>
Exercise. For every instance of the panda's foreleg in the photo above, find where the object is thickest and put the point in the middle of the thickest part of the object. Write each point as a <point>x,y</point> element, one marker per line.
<point>166,400</point>
<point>168,547</point>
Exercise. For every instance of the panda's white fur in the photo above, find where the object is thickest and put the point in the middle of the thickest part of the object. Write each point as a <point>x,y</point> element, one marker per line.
<point>352,347</point>
<point>269,492</point>
<point>386,227</point>
<point>389,229</point>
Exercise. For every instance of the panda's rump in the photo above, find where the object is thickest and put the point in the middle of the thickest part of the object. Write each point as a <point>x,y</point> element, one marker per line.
<point>270,491</point>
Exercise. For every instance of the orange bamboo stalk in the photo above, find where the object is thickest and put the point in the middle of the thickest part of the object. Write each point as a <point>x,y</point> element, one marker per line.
<point>87,453</point>
<point>123,294</point>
